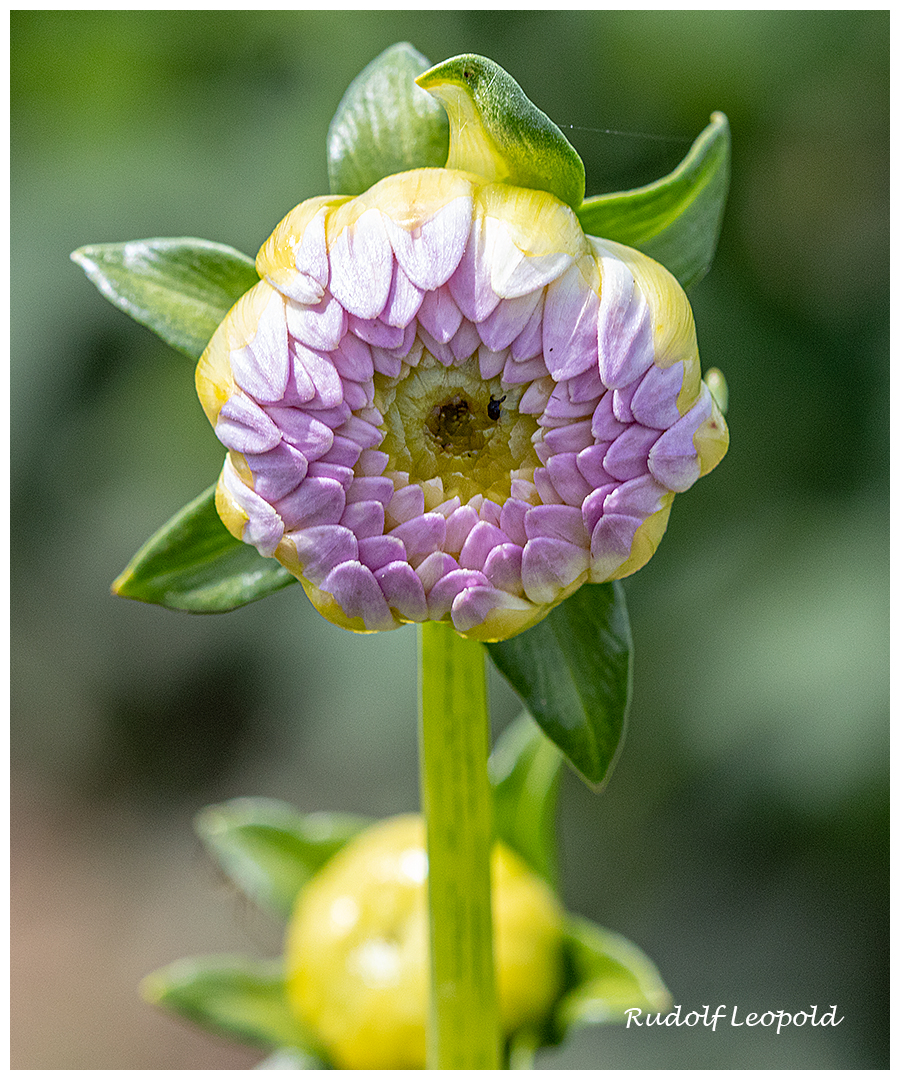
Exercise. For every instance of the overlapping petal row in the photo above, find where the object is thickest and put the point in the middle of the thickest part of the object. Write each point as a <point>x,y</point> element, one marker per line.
<point>443,401</point>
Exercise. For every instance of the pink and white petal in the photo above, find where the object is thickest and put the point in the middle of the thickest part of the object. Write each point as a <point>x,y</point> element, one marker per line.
<point>512,520</point>
<point>567,479</point>
<point>403,591</point>
<point>604,424</point>
<point>364,519</point>
<point>406,503</point>
<point>403,299</point>
<point>655,400</point>
<point>309,435</point>
<point>548,493</point>
<point>317,501</point>
<point>311,253</point>
<point>264,527</point>
<point>530,342</point>
<point>621,405</point>
<point>434,567</point>
<point>570,325</point>
<point>549,566</point>
<point>332,471</point>
<point>376,332</point>
<point>586,386</point>
<point>525,371</point>
<point>441,352</point>
<point>439,315</point>
<point>342,452</point>
<point>321,326</point>
<point>353,359</point>
<point>592,509</point>
<point>490,363</point>
<point>503,568</point>
<point>483,538</point>
<point>556,523</point>
<point>508,320</point>
<point>244,427</point>
<point>378,551</point>
<point>611,543</point>
<point>358,594</point>
<point>571,439</point>
<point>421,535</point>
<point>262,367</point>
<point>470,284</point>
<point>459,524</point>
<point>447,588</point>
<point>321,548</point>
<point>590,465</point>
<point>674,460</point>
<point>386,362</point>
<point>535,398</point>
<point>372,463</point>
<point>625,331</point>
<point>364,488</point>
<point>430,251</point>
<point>473,605</point>
<point>465,341</point>
<point>638,498</point>
<point>319,368</point>
<point>364,434</point>
<point>277,471</point>
<point>362,266</point>
<point>627,456</point>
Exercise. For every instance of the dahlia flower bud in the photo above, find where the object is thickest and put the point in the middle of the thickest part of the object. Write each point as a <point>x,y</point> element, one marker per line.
<point>443,401</point>
<point>357,948</point>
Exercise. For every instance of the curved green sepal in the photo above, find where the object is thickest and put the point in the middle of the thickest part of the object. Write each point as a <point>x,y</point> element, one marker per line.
<point>269,849</point>
<point>385,124</point>
<point>677,219</point>
<point>180,288</point>
<point>573,671</point>
<point>193,563</point>
<point>496,132</point>
<point>608,974</point>
<point>524,769</point>
<point>235,996</point>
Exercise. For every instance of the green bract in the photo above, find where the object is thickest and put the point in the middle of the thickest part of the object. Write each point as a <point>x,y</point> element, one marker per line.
<point>573,669</point>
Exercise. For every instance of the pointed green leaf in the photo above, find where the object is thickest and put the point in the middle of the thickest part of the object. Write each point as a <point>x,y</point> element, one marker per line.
<point>181,288</point>
<point>609,975</point>
<point>573,671</point>
<point>194,564</point>
<point>524,769</point>
<point>385,124</point>
<point>235,996</point>
<point>677,219</point>
<point>496,131</point>
<point>269,850</point>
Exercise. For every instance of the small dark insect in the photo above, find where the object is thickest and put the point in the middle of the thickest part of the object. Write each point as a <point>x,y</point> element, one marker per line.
<point>493,409</point>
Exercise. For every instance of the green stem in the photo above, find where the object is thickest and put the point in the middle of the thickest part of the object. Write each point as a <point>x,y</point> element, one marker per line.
<point>456,802</point>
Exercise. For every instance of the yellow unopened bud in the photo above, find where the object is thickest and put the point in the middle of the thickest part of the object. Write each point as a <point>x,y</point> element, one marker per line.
<point>357,948</point>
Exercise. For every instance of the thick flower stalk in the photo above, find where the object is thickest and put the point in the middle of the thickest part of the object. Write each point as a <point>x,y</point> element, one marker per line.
<point>443,401</point>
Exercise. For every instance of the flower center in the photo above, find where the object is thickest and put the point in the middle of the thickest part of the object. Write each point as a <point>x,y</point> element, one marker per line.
<point>449,423</point>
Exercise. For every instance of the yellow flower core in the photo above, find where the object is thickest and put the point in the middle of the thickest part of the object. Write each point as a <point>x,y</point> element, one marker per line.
<point>453,425</point>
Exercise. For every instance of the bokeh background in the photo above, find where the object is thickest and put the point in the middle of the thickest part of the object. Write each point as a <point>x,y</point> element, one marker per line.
<point>742,840</point>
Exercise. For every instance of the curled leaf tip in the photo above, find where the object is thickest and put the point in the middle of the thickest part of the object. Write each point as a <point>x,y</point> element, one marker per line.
<point>497,132</point>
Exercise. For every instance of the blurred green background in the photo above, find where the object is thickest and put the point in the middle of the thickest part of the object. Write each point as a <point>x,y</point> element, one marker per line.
<point>742,839</point>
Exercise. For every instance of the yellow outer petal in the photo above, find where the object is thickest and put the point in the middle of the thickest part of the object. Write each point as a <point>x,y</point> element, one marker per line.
<point>276,256</point>
<point>646,539</point>
<point>233,517</point>
<point>711,440</point>
<point>409,199</point>
<point>536,222</point>
<point>213,378</point>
